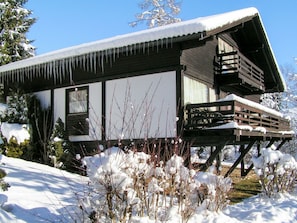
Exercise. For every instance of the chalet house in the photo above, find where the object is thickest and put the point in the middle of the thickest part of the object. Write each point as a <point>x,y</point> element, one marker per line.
<point>199,80</point>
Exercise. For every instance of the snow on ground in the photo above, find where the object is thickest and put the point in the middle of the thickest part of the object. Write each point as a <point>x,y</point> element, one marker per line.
<point>40,193</point>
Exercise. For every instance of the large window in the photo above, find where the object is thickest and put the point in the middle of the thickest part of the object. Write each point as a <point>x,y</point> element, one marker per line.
<point>77,111</point>
<point>197,92</point>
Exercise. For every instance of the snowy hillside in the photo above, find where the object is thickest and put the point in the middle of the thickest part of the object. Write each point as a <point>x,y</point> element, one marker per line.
<point>40,193</point>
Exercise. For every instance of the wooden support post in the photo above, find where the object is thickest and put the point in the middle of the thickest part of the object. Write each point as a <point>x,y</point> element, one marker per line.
<point>281,144</point>
<point>212,157</point>
<point>242,168</point>
<point>218,161</point>
<point>246,172</point>
<point>270,143</point>
<point>258,149</point>
<point>243,152</point>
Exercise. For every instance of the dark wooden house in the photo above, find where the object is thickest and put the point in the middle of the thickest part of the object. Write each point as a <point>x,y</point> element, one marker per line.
<point>199,80</point>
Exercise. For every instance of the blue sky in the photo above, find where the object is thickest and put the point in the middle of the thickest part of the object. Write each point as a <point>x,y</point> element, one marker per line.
<point>64,23</point>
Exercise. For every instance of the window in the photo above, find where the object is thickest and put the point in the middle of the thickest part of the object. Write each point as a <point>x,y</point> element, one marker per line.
<point>77,111</point>
<point>197,92</point>
<point>78,101</point>
<point>224,47</point>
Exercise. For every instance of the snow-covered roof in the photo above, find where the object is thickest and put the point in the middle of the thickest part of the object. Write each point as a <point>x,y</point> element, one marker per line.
<point>163,33</point>
<point>58,64</point>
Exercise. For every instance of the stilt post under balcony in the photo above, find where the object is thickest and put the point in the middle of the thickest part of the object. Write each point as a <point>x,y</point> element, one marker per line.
<point>243,152</point>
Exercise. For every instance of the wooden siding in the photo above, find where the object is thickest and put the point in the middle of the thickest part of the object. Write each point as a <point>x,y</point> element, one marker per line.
<point>198,61</point>
<point>130,65</point>
<point>142,61</point>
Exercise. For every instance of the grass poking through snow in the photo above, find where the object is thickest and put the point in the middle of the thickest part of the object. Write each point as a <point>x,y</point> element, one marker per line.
<point>243,187</point>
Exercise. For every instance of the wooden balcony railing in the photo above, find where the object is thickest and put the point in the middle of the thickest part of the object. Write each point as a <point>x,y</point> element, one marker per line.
<point>234,68</point>
<point>207,115</point>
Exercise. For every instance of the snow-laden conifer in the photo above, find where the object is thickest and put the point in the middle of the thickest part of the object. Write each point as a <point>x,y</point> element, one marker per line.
<point>15,23</point>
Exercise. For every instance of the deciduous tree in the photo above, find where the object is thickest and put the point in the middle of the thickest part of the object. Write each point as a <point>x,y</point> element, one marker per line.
<point>157,13</point>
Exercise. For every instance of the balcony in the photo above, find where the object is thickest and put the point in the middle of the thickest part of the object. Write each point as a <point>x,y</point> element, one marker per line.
<point>234,118</point>
<point>236,73</point>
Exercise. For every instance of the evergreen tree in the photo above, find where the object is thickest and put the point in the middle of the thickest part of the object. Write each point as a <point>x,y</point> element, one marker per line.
<point>15,22</point>
<point>17,107</point>
<point>157,13</point>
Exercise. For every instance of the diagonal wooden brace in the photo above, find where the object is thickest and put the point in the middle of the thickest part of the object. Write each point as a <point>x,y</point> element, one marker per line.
<point>243,152</point>
<point>212,157</point>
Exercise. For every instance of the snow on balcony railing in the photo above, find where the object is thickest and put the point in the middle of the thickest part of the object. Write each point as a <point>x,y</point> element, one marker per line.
<point>235,112</point>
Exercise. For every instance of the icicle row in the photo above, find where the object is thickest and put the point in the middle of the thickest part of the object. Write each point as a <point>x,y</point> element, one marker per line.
<point>57,71</point>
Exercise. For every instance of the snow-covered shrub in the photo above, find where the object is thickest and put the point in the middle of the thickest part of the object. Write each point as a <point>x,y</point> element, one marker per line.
<point>125,186</point>
<point>17,107</point>
<point>111,197</point>
<point>3,185</point>
<point>15,149</point>
<point>60,147</point>
<point>277,171</point>
<point>213,190</point>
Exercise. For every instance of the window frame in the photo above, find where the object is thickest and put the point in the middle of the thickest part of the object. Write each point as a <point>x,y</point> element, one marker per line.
<point>68,91</point>
<point>77,122</point>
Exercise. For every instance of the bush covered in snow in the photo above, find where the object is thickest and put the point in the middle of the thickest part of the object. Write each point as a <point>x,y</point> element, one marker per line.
<point>60,147</point>
<point>277,171</point>
<point>17,107</point>
<point>128,186</point>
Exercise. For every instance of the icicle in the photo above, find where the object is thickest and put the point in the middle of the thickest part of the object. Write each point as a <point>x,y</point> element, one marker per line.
<point>91,61</point>
<point>70,75</point>
<point>50,67</point>
<point>95,62</point>
<point>105,57</point>
<point>37,72</point>
<point>102,62</point>
<point>127,52</point>
<point>132,49</point>
<point>63,64</point>
<point>23,77</point>
<point>59,72</point>
<point>111,60</point>
<point>148,48</point>
<point>118,52</point>
<point>114,54</point>
<point>82,60</point>
<point>47,71</point>
<point>143,48</point>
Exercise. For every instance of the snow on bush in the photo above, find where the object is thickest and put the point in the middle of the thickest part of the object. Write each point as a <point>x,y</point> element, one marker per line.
<point>19,131</point>
<point>129,186</point>
<point>277,171</point>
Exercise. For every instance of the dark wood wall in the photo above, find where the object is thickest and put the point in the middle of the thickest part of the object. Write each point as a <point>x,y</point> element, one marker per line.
<point>198,61</point>
<point>156,59</point>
